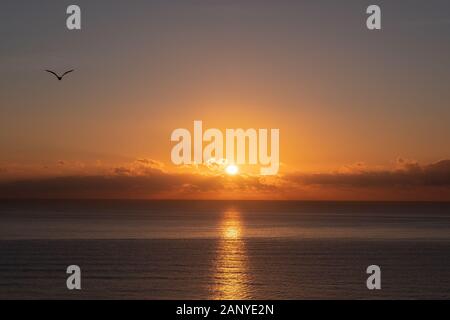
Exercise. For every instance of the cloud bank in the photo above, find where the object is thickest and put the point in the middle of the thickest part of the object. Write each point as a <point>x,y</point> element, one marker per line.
<point>408,175</point>
<point>148,179</point>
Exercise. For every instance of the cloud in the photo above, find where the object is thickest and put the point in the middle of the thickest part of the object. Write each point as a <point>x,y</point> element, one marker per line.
<point>144,178</point>
<point>407,174</point>
<point>149,179</point>
<point>141,167</point>
<point>119,185</point>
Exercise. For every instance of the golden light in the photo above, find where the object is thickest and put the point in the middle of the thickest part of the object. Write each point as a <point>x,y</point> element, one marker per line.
<point>232,170</point>
<point>232,276</point>
<point>232,233</point>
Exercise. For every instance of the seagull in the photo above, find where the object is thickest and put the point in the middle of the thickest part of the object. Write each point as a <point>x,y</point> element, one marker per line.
<point>57,76</point>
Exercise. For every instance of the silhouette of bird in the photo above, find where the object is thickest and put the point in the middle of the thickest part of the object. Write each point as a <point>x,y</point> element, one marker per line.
<point>57,76</point>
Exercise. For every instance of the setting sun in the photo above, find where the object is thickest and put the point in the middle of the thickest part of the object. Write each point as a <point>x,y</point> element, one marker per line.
<point>232,170</point>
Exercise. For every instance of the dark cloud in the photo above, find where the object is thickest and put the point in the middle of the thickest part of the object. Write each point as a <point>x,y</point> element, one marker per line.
<point>125,184</point>
<point>145,179</point>
<point>101,186</point>
<point>410,174</point>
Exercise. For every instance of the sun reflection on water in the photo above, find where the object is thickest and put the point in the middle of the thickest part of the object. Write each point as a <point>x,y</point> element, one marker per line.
<point>231,278</point>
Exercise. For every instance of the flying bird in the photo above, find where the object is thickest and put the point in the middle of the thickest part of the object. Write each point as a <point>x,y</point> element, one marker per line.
<point>57,76</point>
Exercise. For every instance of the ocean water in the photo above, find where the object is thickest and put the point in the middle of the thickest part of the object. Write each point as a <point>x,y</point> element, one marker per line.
<point>224,249</point>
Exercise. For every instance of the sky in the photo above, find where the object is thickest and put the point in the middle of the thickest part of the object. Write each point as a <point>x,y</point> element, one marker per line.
<point>363,115</point>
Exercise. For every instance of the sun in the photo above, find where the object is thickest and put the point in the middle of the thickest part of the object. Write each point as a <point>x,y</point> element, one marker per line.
<point>232,170</point>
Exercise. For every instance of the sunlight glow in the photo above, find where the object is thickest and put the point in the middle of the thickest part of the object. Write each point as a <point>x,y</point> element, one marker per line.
<point>232,276</point>
<point>232,170</point>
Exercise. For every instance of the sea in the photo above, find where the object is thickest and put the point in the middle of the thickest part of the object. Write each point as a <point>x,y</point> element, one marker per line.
<point>224,250</point>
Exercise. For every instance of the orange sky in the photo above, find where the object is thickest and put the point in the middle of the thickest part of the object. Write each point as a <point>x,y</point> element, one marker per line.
<point>350,105</point>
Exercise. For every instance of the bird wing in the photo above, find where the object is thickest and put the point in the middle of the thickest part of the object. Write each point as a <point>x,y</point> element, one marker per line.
<point>67,72</point>
<point>53,73</point>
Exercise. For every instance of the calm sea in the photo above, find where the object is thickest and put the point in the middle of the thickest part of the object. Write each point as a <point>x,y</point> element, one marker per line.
<point>224,249</point>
